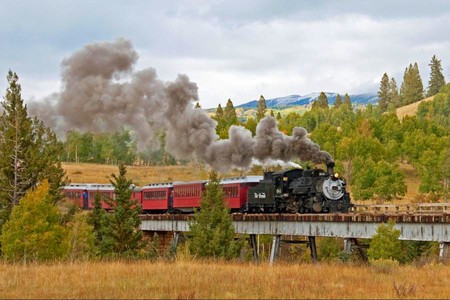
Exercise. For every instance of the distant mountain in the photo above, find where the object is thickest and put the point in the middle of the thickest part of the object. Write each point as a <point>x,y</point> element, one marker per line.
<point>297,100</point>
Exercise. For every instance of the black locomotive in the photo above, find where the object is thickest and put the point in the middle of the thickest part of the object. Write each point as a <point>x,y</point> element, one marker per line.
<point>299,191</point>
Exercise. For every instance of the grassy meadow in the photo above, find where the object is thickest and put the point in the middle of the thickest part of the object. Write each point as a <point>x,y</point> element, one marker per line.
<point>212,280</point>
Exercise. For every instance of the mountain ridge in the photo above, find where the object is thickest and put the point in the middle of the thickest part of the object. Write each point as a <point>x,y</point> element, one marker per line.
<point>305,100</point>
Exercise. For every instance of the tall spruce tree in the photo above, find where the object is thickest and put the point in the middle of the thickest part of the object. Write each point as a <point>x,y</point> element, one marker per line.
<point>261,109</point>
<point>29,152</point>
<point>383,93</point>
<point>337,101</point>
<point>347,101</point>
<point>437,80</point>
<point>229,113</point>
<point>394,99</point>
<point>126,236</point>
<point>212,231</point>
<point>321,102</point>
<point>411,89</point>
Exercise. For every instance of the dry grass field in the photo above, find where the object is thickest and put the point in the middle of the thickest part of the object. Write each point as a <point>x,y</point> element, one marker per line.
<point>411,109</point>
<point>214,280</point>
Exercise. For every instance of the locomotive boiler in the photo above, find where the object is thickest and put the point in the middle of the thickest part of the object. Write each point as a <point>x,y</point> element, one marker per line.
<point>299,191</point>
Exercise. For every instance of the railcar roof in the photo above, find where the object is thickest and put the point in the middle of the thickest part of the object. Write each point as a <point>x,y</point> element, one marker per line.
<point>158,185</point>
<point>243,179</point>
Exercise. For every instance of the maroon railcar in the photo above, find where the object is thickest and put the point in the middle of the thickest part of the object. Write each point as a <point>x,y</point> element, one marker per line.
<point>74,192</point>
<point>187,195</point>
<point>157,197</point>
<point>235,190</point>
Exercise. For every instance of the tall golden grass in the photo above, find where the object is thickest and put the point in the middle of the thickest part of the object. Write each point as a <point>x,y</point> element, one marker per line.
<point>201,279</point>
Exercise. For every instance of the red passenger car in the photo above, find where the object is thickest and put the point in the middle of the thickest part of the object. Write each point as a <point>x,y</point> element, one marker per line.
<point>157,197</point>
<point>235,190</point>
<point>187,195</point>
<point>74,192</point>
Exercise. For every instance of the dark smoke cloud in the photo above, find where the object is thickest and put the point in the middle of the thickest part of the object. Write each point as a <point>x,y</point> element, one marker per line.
<point>94,99</point>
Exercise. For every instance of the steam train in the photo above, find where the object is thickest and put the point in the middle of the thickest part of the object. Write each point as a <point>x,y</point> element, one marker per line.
<point>291,191</point>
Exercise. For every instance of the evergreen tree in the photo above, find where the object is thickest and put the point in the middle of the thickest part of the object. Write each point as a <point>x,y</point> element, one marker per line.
<point>412,88</point>
<point>212,231</point>
<point>322,100</point>
<point>29,152</point>
<point>278,116</point>
<point>394,99</point>
<point>197,105</point>
<point>229,113</point>
<point>272,113</point>
<point>383,93</point>
<point>437,80</point>
<point>347,101</point>
<point>261,109</point>
<point>337,101</point>
<point>219,113</point>
<point>34,233</point>
<point>126,236</point>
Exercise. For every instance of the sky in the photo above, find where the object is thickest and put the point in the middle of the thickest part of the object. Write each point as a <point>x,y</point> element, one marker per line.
<point>232,49</point>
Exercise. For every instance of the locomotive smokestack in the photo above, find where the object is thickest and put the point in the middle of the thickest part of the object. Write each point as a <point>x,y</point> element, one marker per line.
<point>330,168</point>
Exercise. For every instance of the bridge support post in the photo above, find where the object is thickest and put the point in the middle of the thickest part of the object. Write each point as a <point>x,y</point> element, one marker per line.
<point>348,245</point>
<point>444,251</point>
<point>275,246</point>
<point>254,245</point>
<point>174,244</point>
<point>312,248</point>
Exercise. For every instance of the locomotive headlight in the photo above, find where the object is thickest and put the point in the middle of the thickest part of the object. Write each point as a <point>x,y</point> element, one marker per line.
<point>336,175</point>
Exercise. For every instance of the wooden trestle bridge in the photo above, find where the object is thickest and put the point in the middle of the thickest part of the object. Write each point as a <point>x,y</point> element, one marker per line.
<point>419,222</point>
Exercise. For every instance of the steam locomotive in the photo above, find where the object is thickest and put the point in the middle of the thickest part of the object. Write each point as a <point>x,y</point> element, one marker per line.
<point>292,191</point>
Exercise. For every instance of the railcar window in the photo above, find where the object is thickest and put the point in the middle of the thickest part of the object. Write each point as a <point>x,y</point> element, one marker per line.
<point>73,195</point>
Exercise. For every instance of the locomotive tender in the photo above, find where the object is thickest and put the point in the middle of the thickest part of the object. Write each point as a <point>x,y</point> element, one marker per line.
<point>291,191</point>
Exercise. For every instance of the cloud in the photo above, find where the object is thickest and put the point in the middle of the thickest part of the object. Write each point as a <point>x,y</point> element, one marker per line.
<point>234,49</point>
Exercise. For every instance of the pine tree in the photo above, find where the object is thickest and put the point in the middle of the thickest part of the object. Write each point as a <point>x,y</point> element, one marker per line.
<point>385,243</point>
<point>229,113</point>
<point>278,116</point>
<point>394,99</point>
<point>197,105</point>
<point>124,223</point>
<point>347,101</point>
<point>261,109</point>
<point>272,113</point>
<point>337,101</point>
<point>29,152</point>
<point>412,88</point>
<point>383,93</point>
<point>323,100</point>
<point>219,113</point>
<point>212,231</point>
<point>437,80</point>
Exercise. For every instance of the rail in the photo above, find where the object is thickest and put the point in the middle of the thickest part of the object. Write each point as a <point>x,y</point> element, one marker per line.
<point>416,208</point>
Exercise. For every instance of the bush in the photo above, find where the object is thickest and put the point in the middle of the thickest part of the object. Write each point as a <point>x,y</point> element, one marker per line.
<point>385,266</point>
<point>385,244</point>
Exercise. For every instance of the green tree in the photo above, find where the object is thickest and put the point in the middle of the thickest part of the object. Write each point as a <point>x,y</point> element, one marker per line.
<point>437,80</point>
<point>385,243</point>
<point>124,222</point>
<point>383,93</point>
<point>412,88</point>
<point>29,152</point>
<point>337,101</point>
<point>212,231</point>
<point>321,102</point>
<point>197,105</point>
<point>81,238</point>
<point>34,233</point>
<point>278,116</point>
<point>251,125</point>
<point>394,98</point>
<point>261,109</point>
<point>347,101</point>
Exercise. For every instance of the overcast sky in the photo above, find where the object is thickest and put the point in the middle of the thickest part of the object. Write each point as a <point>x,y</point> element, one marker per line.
<point>232,49</point>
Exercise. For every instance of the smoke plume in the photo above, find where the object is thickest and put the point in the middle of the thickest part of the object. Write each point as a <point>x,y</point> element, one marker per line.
<point>95,98</point>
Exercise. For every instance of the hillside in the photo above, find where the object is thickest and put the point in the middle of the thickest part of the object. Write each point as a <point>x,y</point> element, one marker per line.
<point>411,109</point>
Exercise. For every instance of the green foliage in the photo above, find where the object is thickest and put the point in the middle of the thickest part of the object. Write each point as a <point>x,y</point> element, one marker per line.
<point>328,249</point>
<point>412,88</point>
<point>383,93</point>
<point>225,118</point>
<point>385,243</point>
<point>437,80</point>
<point>251,125</point>
<point>121,232</point>
<point>34,233</point>
<point>321,102</point>
<point>81,238</point>
<point>347,101</point>
<point>212,231</point>
<point>337,101</point>
<point>29,152</point>
<point>261,109</point>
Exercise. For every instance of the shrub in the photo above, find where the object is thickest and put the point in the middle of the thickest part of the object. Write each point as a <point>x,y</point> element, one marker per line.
<point>34,233</point>
<point>385,243</point>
